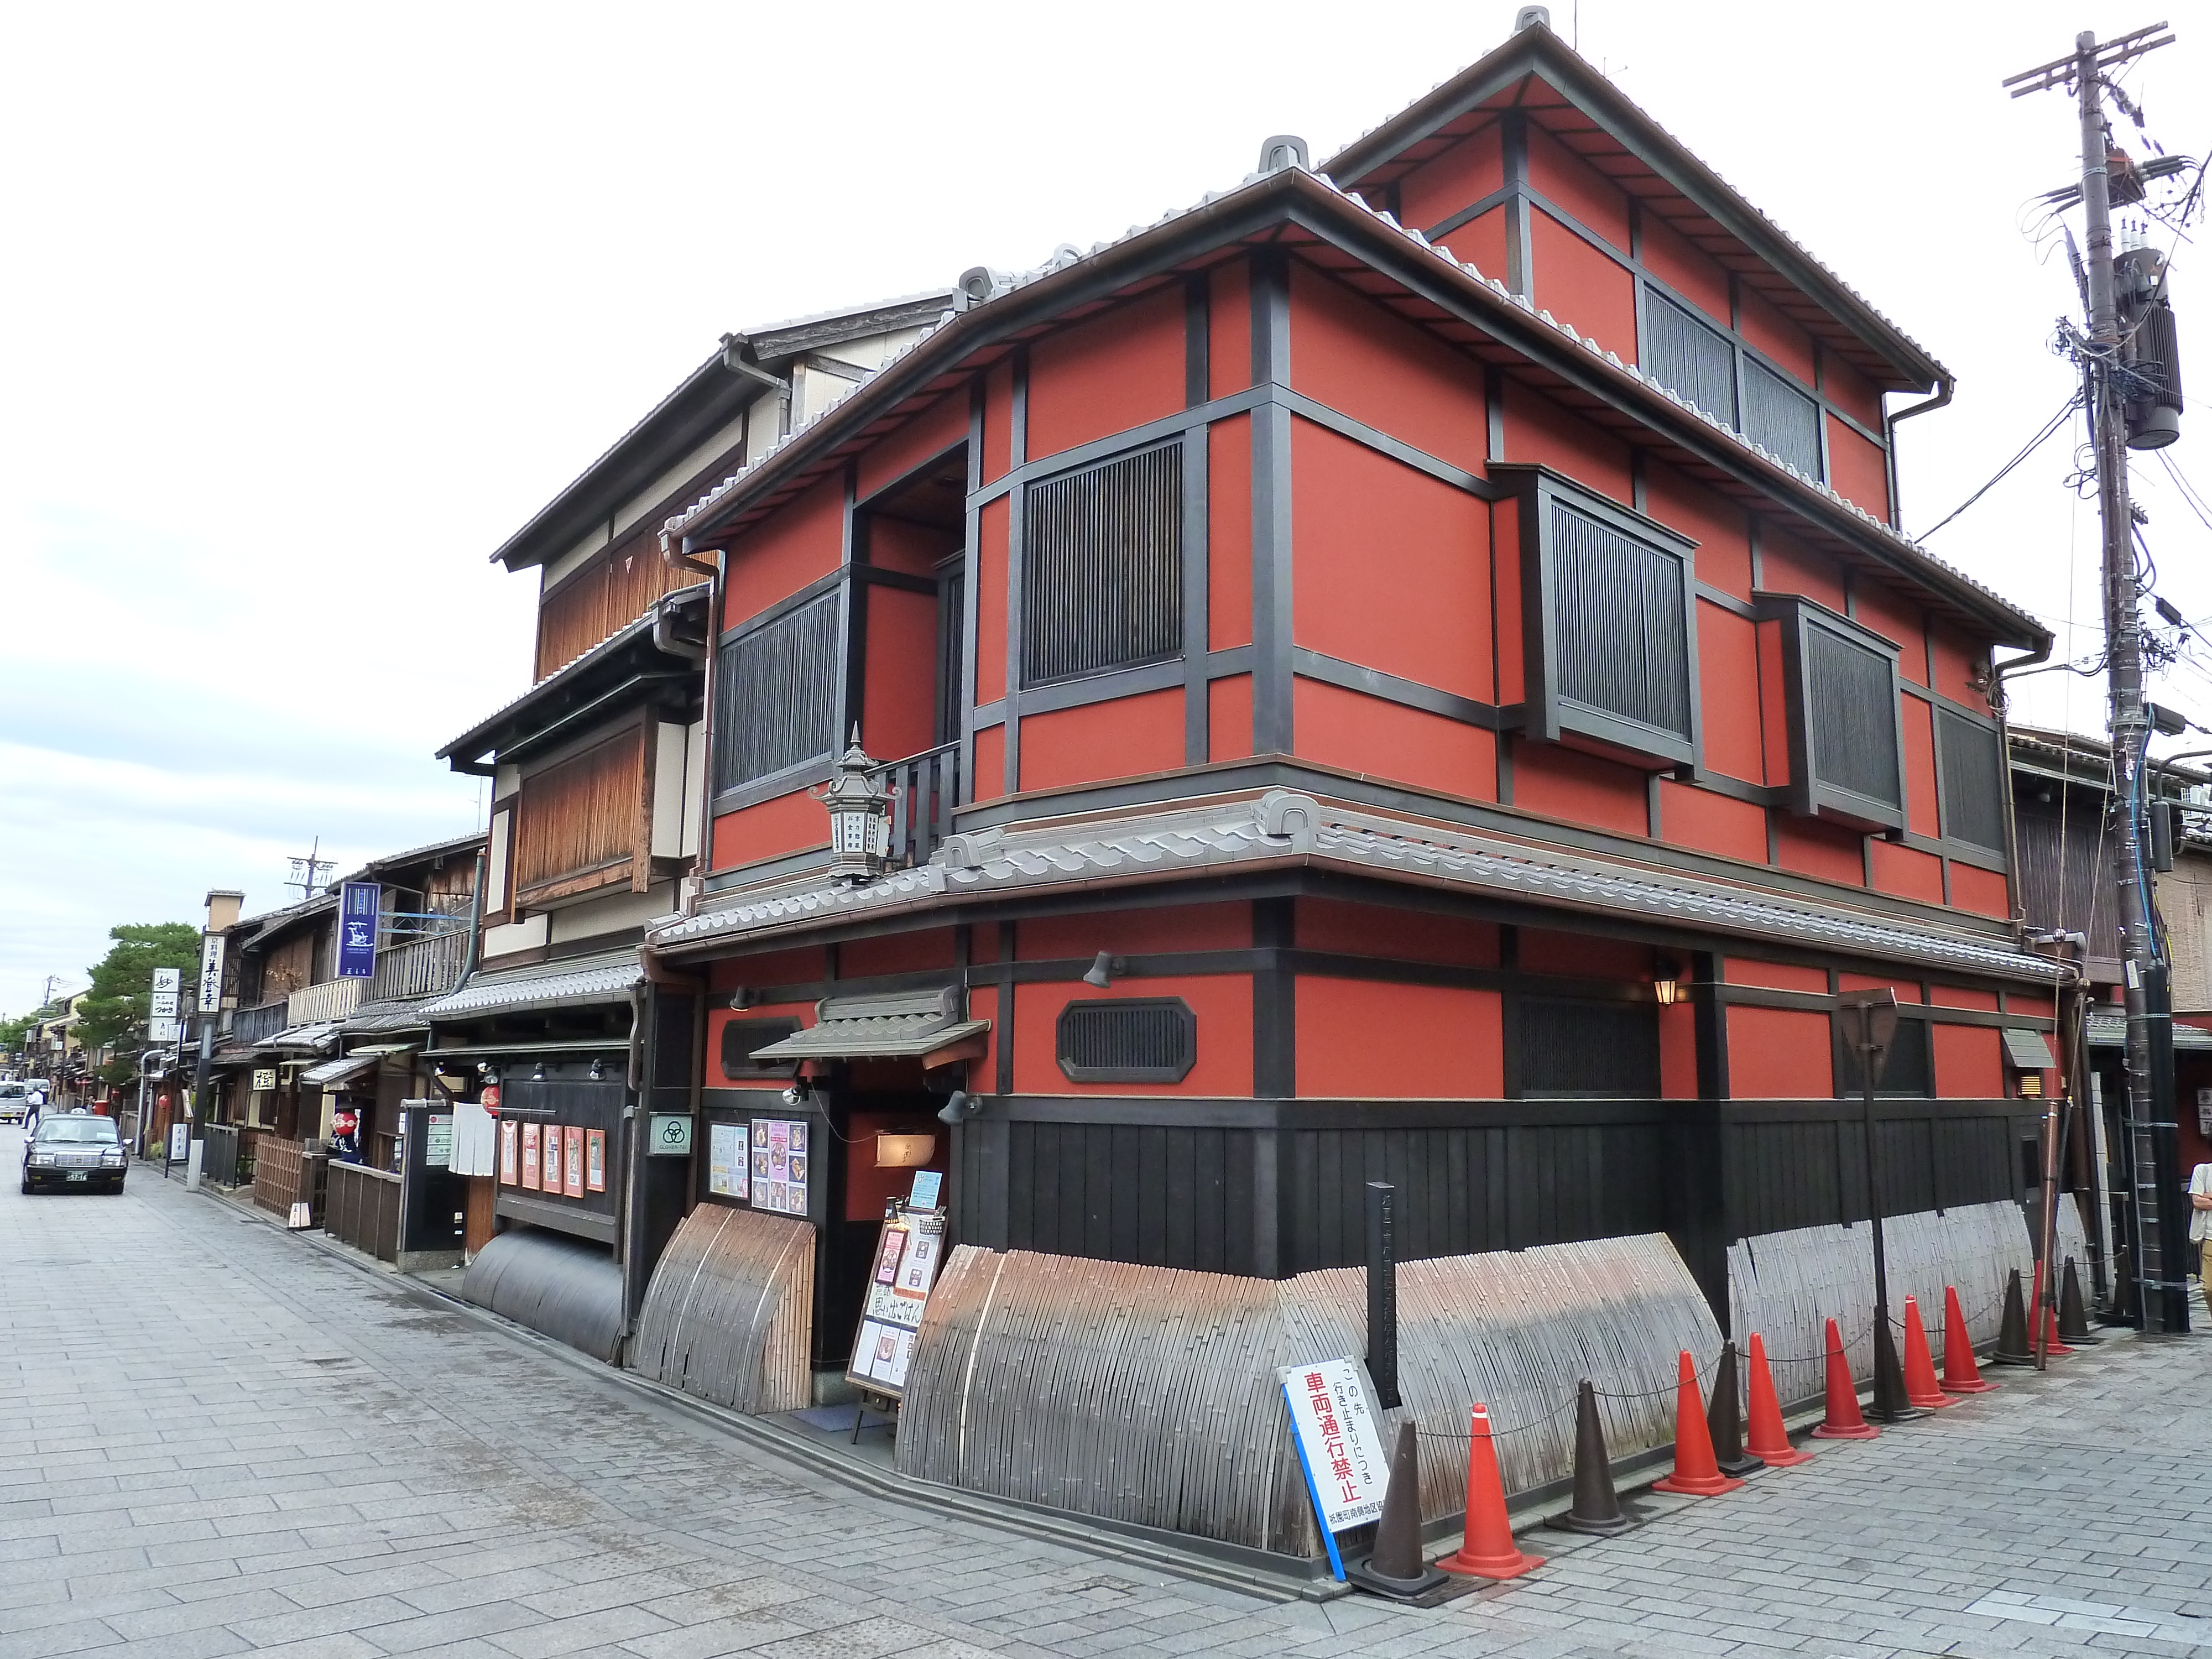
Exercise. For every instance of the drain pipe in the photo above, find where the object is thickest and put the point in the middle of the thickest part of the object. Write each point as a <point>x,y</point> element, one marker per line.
<point>2016,911</point>
<point>1945,386</point>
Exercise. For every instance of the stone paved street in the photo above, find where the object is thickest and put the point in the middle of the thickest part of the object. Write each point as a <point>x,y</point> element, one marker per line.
<point>220,1441</point>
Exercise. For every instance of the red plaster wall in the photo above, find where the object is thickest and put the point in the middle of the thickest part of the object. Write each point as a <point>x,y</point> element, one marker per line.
<point>1825,850</point>
<point>1776,976</point>
<point>2033,1006</point>
<point>1223,1004</point>
<point>1120,738</point>
<point>1505,576</point>
<point>899,693</point>
<point>1906,872</point>
<point>1228,717</point>
<point>1898,620</point>
<point>1132,933</point>
<point>1107,374</point>
<point>1451,180</point>
<point>866,1188</point>
<point>1727,678</point>
<point>1578,188</point>
<point>1853,392</point>
<point>1712,822</point>
<point>998,422</point>
<point>1349,353</point>
<point>896,954</point>
<point>1857,470</point>
<point>990,764</point>
<point>1392,566</point>
<point>802,966</point>
<point>929,431</point>
<point>1773,702</point>
<point>1229,533</point>
<point>1229,329</point>
<point>799,542</point>
<point>1955,661</point>
<point>1678,1053</point>
<point>1369,1040</point>
<point>1790,567</point>
<point>1562,783</point>
<point>787,823</point>
<point>1682,267</point>
<point>1538,429</point>
<point>1767,330</point>
<point>1584,956</point>
<point>1960,996</point>
<point>1717,525</point>
<point>1480,242</point>
<point>991,542</point>
<point>1969,1062</point>
<point>1375,930</point>
<point>1920,815</point>
<point>1580,285</point>
<point>1982,892</point>
<point>718,1017</point>
<point>1362,734</point>
<point>901,544</point>
<point>1779,1054</point>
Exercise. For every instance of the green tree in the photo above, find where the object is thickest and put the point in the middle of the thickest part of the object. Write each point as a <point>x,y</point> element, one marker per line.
<point>123,979</point>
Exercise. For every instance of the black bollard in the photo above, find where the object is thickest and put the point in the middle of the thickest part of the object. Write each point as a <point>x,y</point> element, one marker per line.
<point>1396,1567</point>
<point>2013,1345</point>
<point>1596,1508</point>
<point>1382,1293</point>
<point>1724,1420</point>
<point>2073,1312</point>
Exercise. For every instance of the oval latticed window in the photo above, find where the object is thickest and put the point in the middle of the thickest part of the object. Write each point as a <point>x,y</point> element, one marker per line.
<point>1127,1039</point>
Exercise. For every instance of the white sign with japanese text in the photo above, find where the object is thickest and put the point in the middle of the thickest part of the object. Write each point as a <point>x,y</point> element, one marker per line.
<point>171,979</point>
<point>211,997</point>
<point>1334,1422</point>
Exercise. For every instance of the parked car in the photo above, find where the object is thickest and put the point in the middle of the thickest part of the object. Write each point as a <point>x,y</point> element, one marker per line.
<point>78,1149</point>
<point>14,1100</point>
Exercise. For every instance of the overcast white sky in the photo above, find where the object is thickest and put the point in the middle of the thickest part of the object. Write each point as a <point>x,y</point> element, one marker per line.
<point>306,308</point>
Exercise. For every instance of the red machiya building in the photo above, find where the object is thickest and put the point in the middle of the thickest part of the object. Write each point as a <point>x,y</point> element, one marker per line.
<point>1404,671</point>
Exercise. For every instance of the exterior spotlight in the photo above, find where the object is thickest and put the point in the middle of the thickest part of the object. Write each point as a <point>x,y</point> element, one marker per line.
<point>796,1093</point>
<point>958,1107</point>
<point>1103,968</point>
<point>599,1069</point>
<point>539,1076</point>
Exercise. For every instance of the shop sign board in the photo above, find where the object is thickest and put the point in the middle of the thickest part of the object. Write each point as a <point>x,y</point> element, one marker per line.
<point>1333,1423</point>
<point>210,998</point>
<point>438,1140</point>
<point>171,979</point>
<point>729,1171</point>
<point>782,1164</point>
<point>161,1032</point>
<point>180,1142</point>
<point>670,1135</point>
<point>162,1004</point>
<point>907,1254</point>
<point>264,1078</point>
<point>358,903</point>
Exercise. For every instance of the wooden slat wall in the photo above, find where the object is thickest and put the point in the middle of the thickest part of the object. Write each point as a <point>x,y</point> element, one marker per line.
<point>1811,1171</point>
<point>582,812</point>
<point>1149,1395</point>
<point>1786,1286</point>
<point>727,1314</point>
<point>602,597</point>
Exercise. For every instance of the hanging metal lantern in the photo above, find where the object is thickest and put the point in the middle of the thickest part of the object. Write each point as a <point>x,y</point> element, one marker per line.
<point>860,805</point>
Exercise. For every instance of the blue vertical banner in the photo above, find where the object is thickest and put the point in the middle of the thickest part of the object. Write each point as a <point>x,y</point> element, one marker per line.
<point>357,907</point>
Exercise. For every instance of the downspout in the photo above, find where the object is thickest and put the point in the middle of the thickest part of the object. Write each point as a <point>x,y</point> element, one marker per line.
<point>2016,910</point>
<point>694,889</point>
<point>633,1121</point>
<point>1945,386</point>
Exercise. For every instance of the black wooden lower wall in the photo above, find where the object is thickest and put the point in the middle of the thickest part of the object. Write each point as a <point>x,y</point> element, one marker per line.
<point>1269,1188</point>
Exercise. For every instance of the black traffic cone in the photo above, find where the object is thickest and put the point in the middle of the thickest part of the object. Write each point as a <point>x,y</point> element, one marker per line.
<point>1724,1420</point>
<point>1395,1567</point>
<point>1891,1403</point>
<point>2013,1347</point>
<point>2121,1308</point>
<point>1598,1507</point>
<point>2073,1312</point>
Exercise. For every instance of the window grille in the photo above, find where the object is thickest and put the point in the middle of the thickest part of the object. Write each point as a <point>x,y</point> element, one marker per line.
<point>741,1037</point>
<point>1101,567</point>
<point>1689,356</point>
<point>1607,1050</point>
<point>1973,780</point>
<point>1618,620</point>
<point>1851,711</point>
<point>1781,419</point>
<point>1127,1039</point>
<point>775,700</point>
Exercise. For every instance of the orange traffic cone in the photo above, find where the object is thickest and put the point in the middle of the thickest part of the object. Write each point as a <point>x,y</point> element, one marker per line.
<point>1843,1420</point>
<point>1960,1374</point>
<point>1921,1387</point>
<point>1486,1549</point>
<point>2053,1344</point>
<point>1770,1441</point>
<point>1696,1473</point>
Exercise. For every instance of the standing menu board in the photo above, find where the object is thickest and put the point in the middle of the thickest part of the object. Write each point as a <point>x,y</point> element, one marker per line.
<point>907,1255</point>
<point>782,1158</point>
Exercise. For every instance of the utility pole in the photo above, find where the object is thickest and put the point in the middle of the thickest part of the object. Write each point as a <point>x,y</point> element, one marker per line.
<point>2160,1230</point>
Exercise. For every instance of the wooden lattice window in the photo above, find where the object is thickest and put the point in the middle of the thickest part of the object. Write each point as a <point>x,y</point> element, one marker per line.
<point>775,695</point>
<point>581,817</point>
<point>1127,1039</point>
<point>1101,567</point>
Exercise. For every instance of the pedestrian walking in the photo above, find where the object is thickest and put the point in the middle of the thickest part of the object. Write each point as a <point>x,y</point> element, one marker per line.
<point>2199,1223</point>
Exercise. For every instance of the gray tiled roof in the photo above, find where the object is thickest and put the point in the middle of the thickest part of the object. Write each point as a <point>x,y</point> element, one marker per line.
<point>2108,1029</point>
<point>1281,827</point>
<point>566,982</point>
<point>890,1025</point>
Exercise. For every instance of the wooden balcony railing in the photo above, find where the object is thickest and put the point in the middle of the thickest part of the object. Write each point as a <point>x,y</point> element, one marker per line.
<point>251,1026</point>
<point>316,1005</point>
<point>924,788</point>
<point>419,967</point>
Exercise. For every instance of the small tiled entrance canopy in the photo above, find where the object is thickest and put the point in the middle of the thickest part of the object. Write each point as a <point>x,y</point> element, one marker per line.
<point>925,1026</point>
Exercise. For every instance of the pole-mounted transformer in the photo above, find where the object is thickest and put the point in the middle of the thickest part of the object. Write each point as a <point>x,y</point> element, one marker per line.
<point>2150,353</point>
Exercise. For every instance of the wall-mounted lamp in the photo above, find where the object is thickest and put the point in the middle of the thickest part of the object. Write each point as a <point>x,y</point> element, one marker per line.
<point>538,1075</point>
<point>958,1107</point>
<point>1103,969</point>
<point>1666,984</point>
<point>488,1071</point>
<point>796,1094</point>
<point>740,998</point>
<point>904,1152</point>
<point>599,1068</point>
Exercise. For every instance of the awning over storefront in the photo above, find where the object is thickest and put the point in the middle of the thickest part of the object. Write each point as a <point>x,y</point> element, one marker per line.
<point>314,1039</point>
<point>332,1071</point>
<point>890,1025</point>
<point>2028,1051</point>
<point>568,983</point>
<point>2110,1030</point>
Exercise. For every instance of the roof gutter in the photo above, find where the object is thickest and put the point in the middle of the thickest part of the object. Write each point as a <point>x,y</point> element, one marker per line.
<point>1945,386</point>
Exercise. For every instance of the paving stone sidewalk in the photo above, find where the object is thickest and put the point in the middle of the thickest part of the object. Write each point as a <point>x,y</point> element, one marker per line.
<point>222,1441</point>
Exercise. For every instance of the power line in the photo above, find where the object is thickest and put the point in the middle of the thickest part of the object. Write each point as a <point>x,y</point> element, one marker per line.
<point>2033,444</point>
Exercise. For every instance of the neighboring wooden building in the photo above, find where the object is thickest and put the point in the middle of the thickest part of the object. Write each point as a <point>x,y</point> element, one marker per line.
<point>598,773</point>
<point>1403,672</point>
